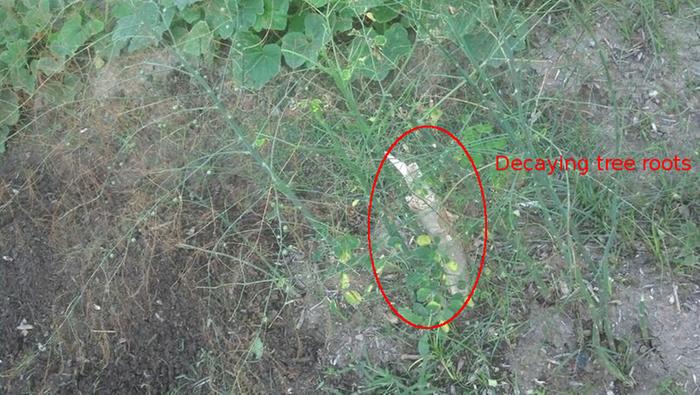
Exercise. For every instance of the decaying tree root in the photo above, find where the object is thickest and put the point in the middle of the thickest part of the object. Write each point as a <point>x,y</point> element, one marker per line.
<point>436,222</point>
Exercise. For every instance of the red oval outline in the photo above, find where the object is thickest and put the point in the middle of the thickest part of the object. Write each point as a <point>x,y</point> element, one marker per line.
<point>369,227</point>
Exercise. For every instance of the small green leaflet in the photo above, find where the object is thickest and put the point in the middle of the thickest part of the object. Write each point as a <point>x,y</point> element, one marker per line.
<point>353,298</point>
<point>4,133</point>
<point>344,281</point>
<point>424,345</point>
<point>254,64</point>
<point>257,347</point>
<point>423,240</point>
<point>343,247</point>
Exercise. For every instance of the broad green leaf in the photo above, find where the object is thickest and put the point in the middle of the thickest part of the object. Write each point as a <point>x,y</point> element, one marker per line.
<point>383,14</point>
<point>341,21</point>
<point>191,15</point>
<point>422,294</point>
<point>397,43</point>
<point>9,108</point>
<point>409,314</point>
<point>61,92</point>
<point>353,298</point>
<point>367,61</point>
<point>72,35</point>
<point>14,54</point>
<point>182,4</point>
<point>304,46</point>
<point>4,134</point>
<point>248,12</point>
<point>39,17</point>
<point>315,27</point>
<point>197,41</point>
<point>257,347</point>
<point>22,79</point>
<point>140,29</point>
<point>421,310</point>
<point>295,23</point>
<point>220,18</point>
<point>317,3</point>
<point>299,48</point>
<point>359,7</point>
<point>274,17</point>
<point>13,61</point>
<point>49,65</point>
<point>433,305</point>
<point>254,64</point>
<point>11,28</point>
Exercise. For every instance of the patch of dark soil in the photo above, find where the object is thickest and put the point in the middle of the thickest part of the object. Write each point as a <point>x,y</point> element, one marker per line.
<point>59,318</point>
<point>29,279</point>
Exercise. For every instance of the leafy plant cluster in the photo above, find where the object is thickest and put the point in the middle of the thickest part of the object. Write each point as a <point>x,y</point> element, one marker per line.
<point>423,269</point>
<point>263,35</point>
<point>37,39</point>
<point>360,38</point>
<point>419,270</point>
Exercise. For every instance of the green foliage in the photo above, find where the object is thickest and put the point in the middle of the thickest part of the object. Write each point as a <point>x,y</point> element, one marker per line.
<point>140,26</point>
<point>300,47</point>
<point>9,114</point>
<point>374,55</point>
<point>264,33</point>
<point>37,40</point>
<point>73,34</point>
<point>426,299</point>
<point>488,39</point>
<point>254,63</point>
